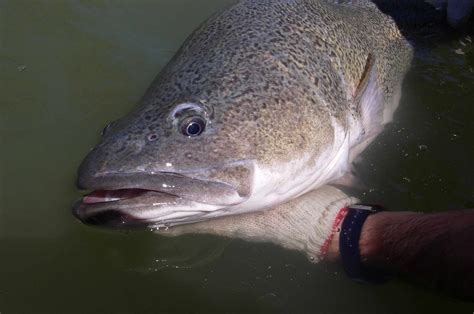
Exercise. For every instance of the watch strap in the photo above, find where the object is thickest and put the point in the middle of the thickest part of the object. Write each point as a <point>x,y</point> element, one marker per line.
<point>351,229</point>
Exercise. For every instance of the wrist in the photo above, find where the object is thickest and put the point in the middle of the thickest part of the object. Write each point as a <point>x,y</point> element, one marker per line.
<point>367,246</point>
<point>371,239</point>
<point>350,241</point>
<point>372,243</point>
<point>325,223</point>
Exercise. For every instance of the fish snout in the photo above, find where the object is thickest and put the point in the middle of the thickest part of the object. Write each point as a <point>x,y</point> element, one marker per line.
<point>138,209</point>
<point>225,185</point>
<point>147,199</point>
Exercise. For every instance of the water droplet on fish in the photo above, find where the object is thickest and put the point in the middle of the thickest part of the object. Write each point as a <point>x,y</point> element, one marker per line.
<point>168,164</point>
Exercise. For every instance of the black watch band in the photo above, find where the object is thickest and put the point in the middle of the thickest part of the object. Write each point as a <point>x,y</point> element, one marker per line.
<point>349,245</point>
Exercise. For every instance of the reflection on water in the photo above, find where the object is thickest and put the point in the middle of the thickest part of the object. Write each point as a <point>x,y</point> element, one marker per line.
<point>69,67</point>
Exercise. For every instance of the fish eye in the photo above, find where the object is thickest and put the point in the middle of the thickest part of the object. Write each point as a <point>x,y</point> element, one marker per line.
<point>193,126</point>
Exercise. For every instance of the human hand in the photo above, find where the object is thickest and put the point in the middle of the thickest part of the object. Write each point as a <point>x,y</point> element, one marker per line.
<point>306,223</point>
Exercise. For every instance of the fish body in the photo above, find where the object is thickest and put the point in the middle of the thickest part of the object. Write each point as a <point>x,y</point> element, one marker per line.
<point>265,101</point>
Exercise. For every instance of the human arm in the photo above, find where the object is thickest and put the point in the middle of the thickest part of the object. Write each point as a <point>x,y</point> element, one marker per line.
<point>436,250</point>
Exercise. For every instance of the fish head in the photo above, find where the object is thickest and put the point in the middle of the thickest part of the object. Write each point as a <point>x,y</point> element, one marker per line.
<point>183,157</point>
<point>235,122</point>
<point>176,155</point>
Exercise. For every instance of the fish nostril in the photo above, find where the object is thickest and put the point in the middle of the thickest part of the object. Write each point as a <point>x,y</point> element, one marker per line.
<point>105,218</point>
<point>152,137</point>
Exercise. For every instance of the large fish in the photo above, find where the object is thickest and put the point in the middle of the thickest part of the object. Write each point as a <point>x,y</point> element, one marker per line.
<point>265,101</point>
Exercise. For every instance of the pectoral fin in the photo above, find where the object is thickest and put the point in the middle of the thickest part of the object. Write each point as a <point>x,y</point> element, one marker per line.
<point>368,98</point>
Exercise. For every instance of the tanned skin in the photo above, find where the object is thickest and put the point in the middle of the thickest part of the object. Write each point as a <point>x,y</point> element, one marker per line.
<point>436,250</point>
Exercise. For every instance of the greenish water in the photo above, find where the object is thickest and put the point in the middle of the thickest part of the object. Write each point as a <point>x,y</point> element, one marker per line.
<point>69,67</point>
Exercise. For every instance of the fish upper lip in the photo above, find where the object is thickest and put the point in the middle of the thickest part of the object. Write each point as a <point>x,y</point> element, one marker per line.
<point>182,185</point>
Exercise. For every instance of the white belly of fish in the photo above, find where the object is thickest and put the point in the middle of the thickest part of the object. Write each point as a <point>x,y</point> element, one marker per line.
<point>282,182</point>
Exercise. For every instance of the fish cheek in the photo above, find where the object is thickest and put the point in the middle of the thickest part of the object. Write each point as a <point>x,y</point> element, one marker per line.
<point>240,177</point>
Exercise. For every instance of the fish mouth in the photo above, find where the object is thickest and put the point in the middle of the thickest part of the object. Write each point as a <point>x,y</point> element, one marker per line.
<point>137,209</point>
<point>144,200</point>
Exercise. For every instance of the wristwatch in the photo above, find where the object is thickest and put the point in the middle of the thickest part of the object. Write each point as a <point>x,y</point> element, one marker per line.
<point>349,245</point>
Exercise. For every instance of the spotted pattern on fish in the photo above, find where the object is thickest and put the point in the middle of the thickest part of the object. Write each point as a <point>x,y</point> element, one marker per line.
<point>269,75</point>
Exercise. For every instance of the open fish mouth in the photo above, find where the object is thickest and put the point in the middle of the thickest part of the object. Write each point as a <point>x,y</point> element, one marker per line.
<point>137,208</point>
<point>141,200</point>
